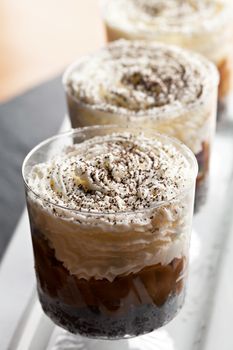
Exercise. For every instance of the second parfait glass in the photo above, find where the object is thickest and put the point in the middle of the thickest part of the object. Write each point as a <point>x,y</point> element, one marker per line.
<point>130,73</point>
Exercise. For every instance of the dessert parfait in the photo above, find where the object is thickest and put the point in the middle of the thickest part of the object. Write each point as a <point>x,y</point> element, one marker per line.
<point>204,26</point>
<point>150,85</point>
<point>110,213</point>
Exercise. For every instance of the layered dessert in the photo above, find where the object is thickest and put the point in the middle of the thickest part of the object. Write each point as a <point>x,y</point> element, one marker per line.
<point>204,26</point>
<point>110,219</point>
<point>150,85</point>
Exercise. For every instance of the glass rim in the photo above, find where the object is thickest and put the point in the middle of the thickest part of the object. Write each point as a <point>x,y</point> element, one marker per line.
<point>72,132</point>
<point>175,109</point>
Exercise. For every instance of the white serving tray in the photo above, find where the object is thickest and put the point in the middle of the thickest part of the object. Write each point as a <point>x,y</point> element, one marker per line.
<point>206,320</point>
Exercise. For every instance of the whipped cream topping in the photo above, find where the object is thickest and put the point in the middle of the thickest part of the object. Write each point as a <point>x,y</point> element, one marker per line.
<point>102,178</point>
<point>135,78</point>
<point>190,16</point>
<point>119,172</point>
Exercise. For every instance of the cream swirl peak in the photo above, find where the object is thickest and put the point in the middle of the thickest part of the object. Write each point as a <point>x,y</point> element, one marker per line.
<point>171,15</point>
<point>138,78</point>
<point>118,172</point>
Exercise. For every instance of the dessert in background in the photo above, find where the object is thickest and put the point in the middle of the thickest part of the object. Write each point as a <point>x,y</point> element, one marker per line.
<point>151,85</point>
<point>204,26</point>
<point>110,213</point>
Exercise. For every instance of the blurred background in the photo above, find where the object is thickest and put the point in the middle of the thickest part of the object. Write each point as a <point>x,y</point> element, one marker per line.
<point>38,38</point>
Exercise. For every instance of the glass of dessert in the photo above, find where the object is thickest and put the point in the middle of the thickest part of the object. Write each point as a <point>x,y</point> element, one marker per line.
<point>204,26</point>
<point>151,85</point>
<point>110,210</point>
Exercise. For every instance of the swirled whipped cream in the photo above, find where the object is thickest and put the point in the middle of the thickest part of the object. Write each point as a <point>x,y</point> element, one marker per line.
<point>137,78</point>
<point>113,173</point>
<point>190,16</point>
<point>110,186</point>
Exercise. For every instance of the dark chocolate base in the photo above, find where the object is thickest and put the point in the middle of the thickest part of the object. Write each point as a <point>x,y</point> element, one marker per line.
<point>90,322</point>
<point>223,110</point>
<point>201,194</point>
<point>126,307</point>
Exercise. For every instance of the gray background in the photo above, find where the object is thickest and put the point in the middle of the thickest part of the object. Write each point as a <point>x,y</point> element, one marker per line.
<point>24,121</point>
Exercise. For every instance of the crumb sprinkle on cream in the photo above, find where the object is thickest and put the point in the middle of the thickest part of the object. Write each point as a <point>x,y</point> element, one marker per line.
<point>118,172</point>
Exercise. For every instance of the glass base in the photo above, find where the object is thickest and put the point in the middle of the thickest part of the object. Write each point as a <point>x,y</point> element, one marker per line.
<point>157,340</point>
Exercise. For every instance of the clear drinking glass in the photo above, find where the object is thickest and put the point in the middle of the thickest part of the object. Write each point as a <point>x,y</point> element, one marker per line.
<point>143,286</point>
<point>201,26</point>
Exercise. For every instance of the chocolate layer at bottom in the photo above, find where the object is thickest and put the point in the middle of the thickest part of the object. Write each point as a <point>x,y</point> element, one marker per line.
<point>225,68</point>
<point>90,322</point>
<point>201,194</point>
<point>128,306</point>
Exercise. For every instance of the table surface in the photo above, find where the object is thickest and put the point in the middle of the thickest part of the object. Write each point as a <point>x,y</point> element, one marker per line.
<point>205,321</point>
